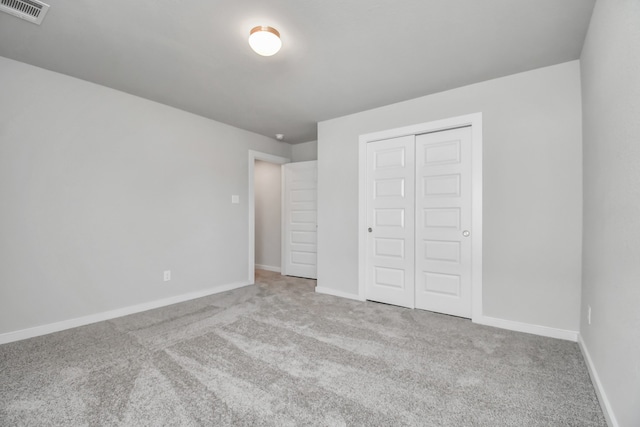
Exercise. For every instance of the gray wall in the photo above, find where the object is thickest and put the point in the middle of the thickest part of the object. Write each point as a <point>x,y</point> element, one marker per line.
<point>268,205</point>
<point>101,191</point>
<point>304,152</point>
<point>610,65</point>
<point>532,190</point>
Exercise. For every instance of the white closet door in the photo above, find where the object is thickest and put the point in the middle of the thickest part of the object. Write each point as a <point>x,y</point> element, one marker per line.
<point>299,253</point>
<point>390,218</point>
<point>443,222</point>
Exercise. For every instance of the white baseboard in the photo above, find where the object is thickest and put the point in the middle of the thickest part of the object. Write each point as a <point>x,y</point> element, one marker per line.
<point>511,325</point>
<point>329,291</point>
<point>597,385</point>
<point>268,268</point>
<point>544,331</point>
<point>111,314</point>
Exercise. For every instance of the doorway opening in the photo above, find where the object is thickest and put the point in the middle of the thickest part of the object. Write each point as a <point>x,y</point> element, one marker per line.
<point>268,212</point>
<point>276,161</point>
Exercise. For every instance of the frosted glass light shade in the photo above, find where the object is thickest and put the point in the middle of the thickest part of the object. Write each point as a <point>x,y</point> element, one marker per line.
<point>265,41</point>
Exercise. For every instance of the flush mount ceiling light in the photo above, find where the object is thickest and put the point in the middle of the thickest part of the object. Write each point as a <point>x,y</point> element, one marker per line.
<point>265,41</point>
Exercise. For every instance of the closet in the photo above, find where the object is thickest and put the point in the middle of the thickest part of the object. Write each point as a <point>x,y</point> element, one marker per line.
<point>418,209</point>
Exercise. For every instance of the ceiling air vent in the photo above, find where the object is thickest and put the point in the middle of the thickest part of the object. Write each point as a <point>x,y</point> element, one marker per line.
<point>29,10</point>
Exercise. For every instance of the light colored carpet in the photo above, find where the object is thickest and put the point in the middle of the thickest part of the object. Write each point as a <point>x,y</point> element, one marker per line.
<point>279,354</point>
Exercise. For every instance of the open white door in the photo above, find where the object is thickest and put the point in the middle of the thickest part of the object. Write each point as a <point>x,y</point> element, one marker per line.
<point>299,228</point>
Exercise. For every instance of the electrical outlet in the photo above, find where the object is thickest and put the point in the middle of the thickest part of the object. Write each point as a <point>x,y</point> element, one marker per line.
<point>589,314</point>
<point>167,275</point>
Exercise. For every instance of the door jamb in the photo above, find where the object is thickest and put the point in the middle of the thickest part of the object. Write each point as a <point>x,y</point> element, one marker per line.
<point>473,120</point>
<point>251,202</point>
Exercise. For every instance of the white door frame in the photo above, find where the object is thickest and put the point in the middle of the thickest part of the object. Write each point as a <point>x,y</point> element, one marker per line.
<point>473,120</point>
<point>253,156</point>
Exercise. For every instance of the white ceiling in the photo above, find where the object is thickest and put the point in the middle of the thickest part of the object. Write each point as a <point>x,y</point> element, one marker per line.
<point>338,56</point>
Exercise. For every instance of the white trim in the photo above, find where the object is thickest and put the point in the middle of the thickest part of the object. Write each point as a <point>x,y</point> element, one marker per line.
<point>362,217</point>
<point>283,220</point>
<point>607,410</point>
<point>112,314</point>
<point>251,202</point>
<point>329,291</point>
<point>476,215</point>
<point>473,120</point>
<point>528,328</point>
<point>268,268</point>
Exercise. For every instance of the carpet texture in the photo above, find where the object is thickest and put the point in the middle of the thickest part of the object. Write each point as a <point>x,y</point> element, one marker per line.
<point>278,354</point>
